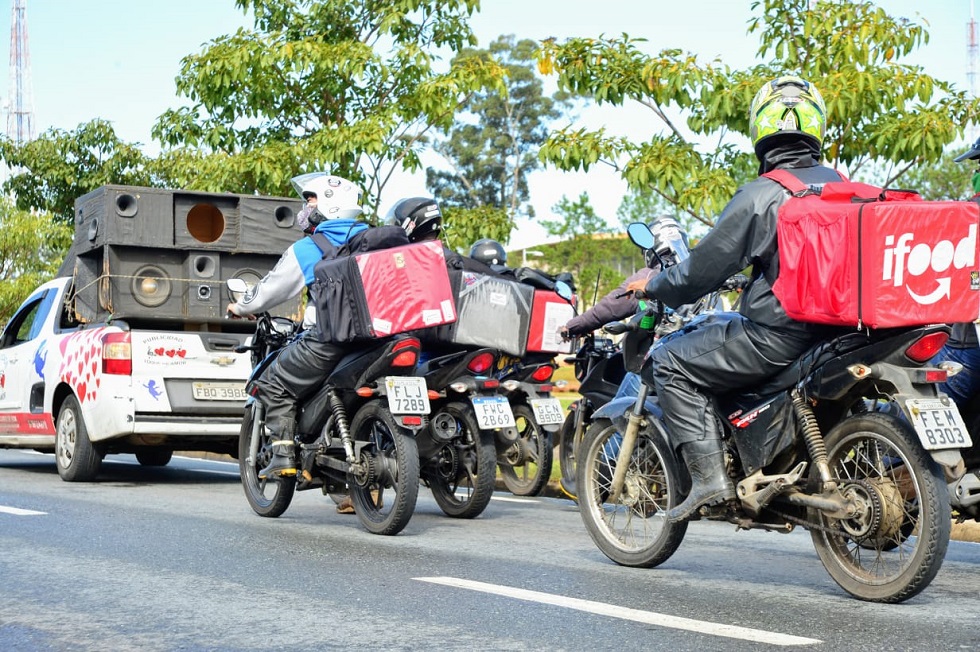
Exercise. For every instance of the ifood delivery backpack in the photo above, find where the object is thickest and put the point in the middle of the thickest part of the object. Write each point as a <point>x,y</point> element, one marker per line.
<point>853,254</point>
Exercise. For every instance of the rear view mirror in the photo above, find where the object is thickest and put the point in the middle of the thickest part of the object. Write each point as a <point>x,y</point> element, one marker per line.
<point>564,290</point>
<point>640,234</point>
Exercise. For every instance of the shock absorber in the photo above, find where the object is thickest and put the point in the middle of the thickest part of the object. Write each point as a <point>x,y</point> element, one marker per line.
<point>340,413</point>
<point>814,439</point>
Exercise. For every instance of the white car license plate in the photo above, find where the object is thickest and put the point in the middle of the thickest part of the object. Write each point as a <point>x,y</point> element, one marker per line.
<point>938,423</point>
<point>493,412</point>
<point>211,391</point>
<point>547,411</point>
<point>407,395</point>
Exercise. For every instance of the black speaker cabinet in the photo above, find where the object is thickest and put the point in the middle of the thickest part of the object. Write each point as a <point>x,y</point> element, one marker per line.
<point>268,224</point>
<point>206,221</point>
<point>123,215</point>
<point>165,284</point>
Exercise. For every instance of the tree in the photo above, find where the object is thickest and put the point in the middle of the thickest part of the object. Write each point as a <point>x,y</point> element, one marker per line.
<point>880,110</point>
<point>645,206</point>
<point>59,166</point>
<point>345,85</point>
<point>32,245</point>
<point>493,145</point>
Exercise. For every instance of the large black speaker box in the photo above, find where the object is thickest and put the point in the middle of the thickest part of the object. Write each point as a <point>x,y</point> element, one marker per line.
<point>165,284</point>
<point>156,217</point>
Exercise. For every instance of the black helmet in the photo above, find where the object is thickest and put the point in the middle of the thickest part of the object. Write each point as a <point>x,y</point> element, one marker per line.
<point>489,252</point>
<point>419,216</point>
<point>972,153</point>
<point>670,242</point>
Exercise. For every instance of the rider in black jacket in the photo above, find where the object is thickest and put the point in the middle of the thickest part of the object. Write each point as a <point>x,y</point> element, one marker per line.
<point>787,122</point>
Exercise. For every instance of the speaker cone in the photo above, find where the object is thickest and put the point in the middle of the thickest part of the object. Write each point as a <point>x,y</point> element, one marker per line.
<point>151,286</point>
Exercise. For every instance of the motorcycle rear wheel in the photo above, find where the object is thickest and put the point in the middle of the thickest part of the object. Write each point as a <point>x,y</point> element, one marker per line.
<point>462,479</point>
<point>531,456</point>
<point>269,497</point>
<point>384,498</point>
<point>634,531</point>
<point>893,549</point>
<point>567,447</point>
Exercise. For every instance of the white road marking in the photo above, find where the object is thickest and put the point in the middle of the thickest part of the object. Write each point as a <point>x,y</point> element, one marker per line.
<point>16,511</point>
<point>625,613</point>
<point>526,501</point>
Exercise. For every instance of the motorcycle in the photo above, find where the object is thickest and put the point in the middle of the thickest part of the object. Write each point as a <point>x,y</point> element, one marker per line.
<point>807,448</point>
<point>456,448</point>
<point>964,492</point>
<point>373,455</point>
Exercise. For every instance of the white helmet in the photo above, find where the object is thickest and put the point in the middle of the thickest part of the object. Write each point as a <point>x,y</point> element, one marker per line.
<point>336,197</point>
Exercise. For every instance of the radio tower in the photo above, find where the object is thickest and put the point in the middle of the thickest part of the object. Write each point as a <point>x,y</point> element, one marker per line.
<point>20,115</point>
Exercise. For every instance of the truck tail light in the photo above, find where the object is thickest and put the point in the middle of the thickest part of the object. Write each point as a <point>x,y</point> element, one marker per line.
<point>117,354</point>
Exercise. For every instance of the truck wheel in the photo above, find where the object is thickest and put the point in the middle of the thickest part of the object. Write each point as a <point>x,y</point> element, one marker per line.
<point>154,456</point>
<point>77,459</point>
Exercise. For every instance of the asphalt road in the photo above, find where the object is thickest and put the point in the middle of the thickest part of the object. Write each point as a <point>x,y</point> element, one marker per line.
<point>173,559</point>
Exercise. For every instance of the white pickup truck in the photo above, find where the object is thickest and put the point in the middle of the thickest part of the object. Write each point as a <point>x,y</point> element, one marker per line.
<point>83,391</point>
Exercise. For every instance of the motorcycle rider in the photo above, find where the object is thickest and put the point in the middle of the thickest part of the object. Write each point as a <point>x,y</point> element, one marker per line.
<point>787,123</point>
<point>333,204</point>
<point>963,346</point>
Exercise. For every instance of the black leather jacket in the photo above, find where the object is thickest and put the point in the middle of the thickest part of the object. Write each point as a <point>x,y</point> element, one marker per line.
<point>745,235</point>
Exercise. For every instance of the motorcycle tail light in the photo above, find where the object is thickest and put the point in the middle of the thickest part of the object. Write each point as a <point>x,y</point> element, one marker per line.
<point>543,373</point>
<point>491,383</point>
<point>936,376</point>
<point>409,420</point>
<point>481,363</point>
<point>409,352</point>
<point>117,355</point>
<point>926,347</point>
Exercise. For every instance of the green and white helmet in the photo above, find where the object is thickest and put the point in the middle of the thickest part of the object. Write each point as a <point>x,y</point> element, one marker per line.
<point>787,105</point>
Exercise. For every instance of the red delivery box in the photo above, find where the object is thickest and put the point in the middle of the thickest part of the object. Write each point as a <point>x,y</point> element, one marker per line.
<point>383,292</point>
<point>857,255</point>
<point>549,312</point>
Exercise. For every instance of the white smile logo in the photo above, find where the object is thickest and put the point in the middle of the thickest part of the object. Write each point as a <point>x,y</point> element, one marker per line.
<point>902,256</point>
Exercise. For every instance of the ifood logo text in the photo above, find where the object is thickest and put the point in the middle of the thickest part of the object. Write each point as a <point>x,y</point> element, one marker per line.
<point>904,257</point>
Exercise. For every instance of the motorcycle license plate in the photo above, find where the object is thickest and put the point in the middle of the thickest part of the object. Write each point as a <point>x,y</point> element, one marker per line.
<point>938,423</point>
<point>493,412</point>
<point>204,391</point>
<point>407,395</point>
<point>547,411</point>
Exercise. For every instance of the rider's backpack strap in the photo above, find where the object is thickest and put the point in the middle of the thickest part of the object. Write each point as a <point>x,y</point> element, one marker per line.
<point>787,180</point>
<point>327,249</point>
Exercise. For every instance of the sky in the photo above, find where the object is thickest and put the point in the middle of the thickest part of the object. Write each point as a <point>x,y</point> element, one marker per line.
<point>117,60</point>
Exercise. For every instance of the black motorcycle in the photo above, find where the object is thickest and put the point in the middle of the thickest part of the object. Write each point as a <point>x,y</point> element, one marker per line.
<point>456,448</point>
<point>356,434</point>
<point>808,448</point>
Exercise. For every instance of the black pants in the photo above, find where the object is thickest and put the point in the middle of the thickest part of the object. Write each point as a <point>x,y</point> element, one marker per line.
<point>298,372</point>
<point>725,353</point>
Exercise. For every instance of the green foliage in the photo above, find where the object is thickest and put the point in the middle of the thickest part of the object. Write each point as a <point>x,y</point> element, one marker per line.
<point>59,166</point>
<point>464,226</point>
<point>32,246</point>
<point>577,218</point>
<point>880,111</point>
<point>492,146</point>
<point>350,86</point>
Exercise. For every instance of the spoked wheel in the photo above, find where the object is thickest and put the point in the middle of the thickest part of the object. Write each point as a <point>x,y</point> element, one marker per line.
<point>894,544</point>
<point>384,485</point>
<point>463,476</point>
<point>634,531</point>
<point>566,452</point>
<point>269,497</point>
<point>527,466</point>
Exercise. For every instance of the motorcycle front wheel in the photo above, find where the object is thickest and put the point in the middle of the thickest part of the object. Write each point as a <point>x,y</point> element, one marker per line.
<point>269,497</point>
<point>893,546</point>
<point>634,530</point>
<point>463,474</point>
<point>386,487</point>
<point>526,467</point>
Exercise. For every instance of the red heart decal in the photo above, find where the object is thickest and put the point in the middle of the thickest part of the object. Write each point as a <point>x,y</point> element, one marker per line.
<point>95,367</point>
<point>3,380</point>
<point>181,352</point>
<point>81,391</point>
<point>170,353</point>
<point>80,367</point>
<point>158,351</point>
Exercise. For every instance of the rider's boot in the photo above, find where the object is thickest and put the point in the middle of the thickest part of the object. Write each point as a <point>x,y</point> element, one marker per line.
<point>283,451</point>
<point>710,483</point>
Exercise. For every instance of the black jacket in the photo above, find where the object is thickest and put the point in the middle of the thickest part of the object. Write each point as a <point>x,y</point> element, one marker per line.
<point>745,235</point>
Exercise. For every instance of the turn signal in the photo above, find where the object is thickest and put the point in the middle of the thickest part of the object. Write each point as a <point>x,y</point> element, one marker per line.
<point>117,355</point>
<point>925,348</point>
